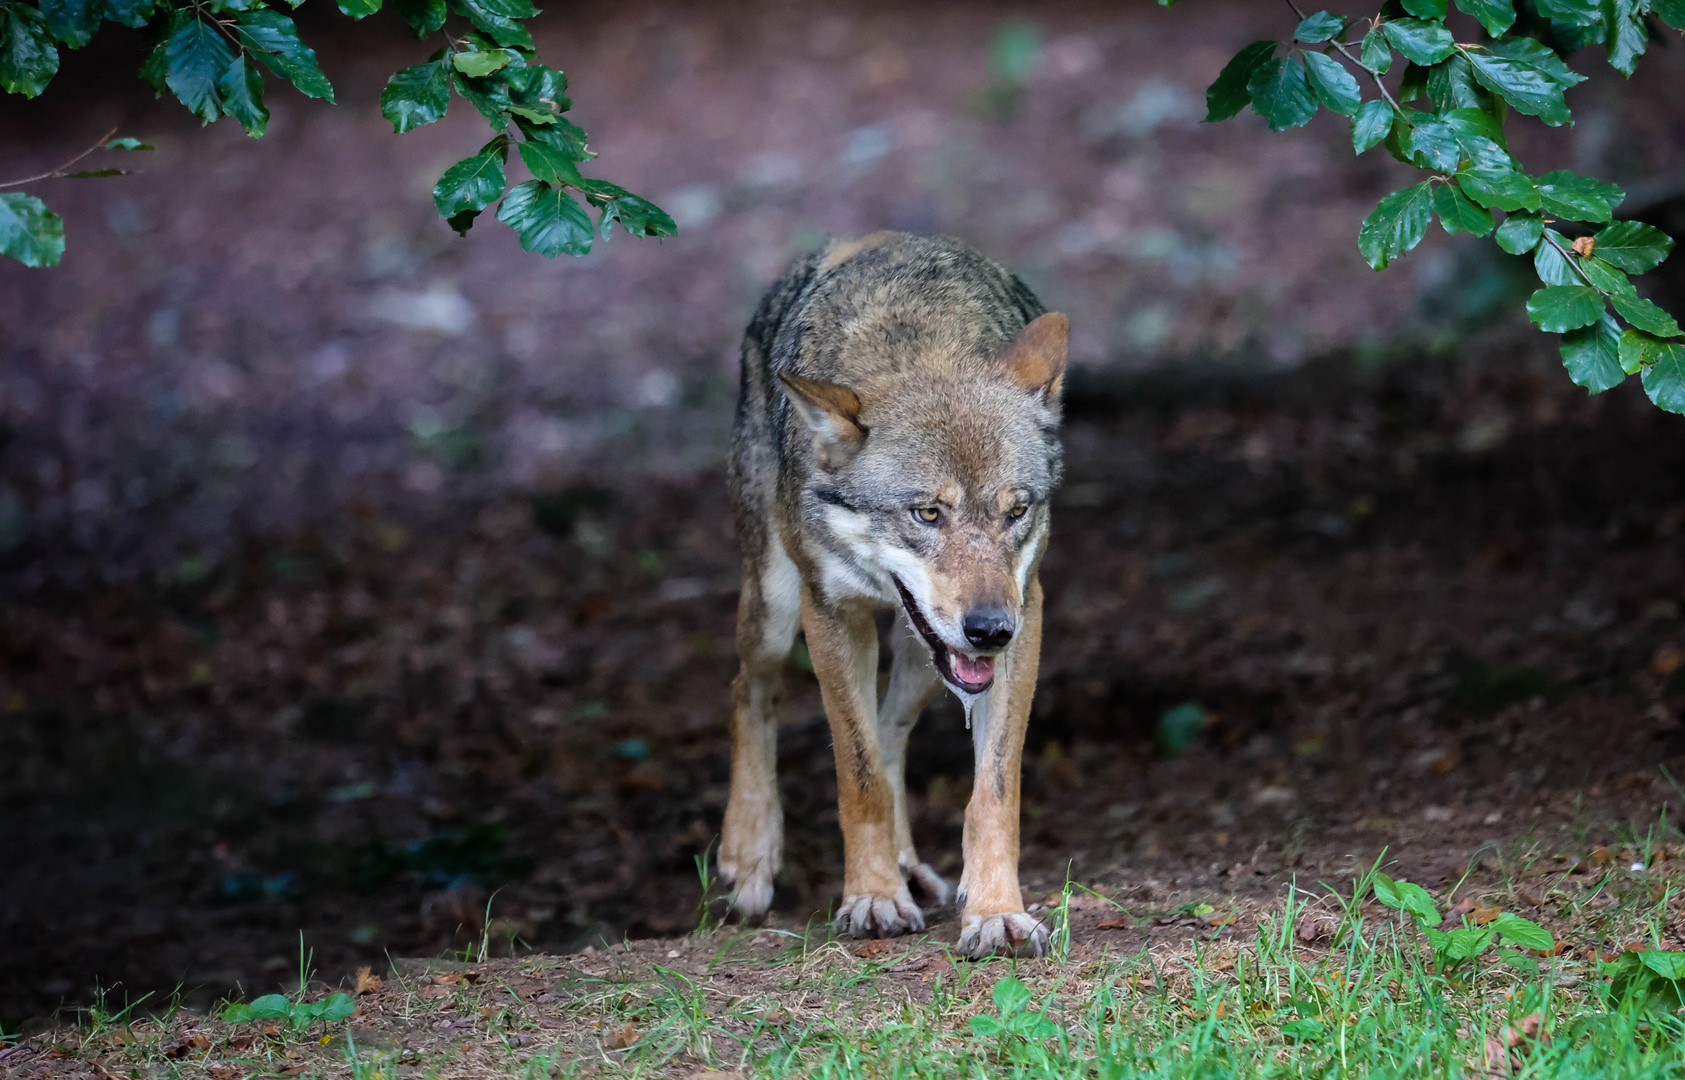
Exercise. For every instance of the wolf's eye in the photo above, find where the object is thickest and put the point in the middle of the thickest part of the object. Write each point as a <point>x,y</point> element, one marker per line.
<point>1017,512</point>
<point>930,515</point>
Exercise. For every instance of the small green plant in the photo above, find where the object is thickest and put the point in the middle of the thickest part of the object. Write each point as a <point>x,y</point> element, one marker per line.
<point>298,1015</point>
<point>1647,980</point>
<point>1458,945</point>
<point>1015,1023</point>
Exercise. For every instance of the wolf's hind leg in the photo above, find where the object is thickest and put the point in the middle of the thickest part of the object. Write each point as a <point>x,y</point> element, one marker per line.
<point>913,681</point>
<point>768,613</point>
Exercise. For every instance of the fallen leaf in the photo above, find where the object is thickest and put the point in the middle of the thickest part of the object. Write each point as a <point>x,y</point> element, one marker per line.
<point>1600,856</point>
<point>1117,922</point>
<point>1220,919</point>
<point>621,1037</point>
<point>1584,246</point>
<point>1528,898</point>
<point>1482,916</point>
<point>367,982</point>
<point>222,1072</point>
<point>875,948</point>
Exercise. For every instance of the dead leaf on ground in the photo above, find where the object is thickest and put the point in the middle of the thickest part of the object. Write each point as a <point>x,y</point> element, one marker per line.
<point>367,982</point>
<point>1482,916</point>
<point>621,1037</point>
<point>877,947</point>
<point>1219,919</point>
<point>187,1044</point>
<point>1528,898</point>
<point>1116,922</point>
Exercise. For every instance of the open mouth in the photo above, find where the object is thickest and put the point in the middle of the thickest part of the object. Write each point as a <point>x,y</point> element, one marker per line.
<point>969,674</point>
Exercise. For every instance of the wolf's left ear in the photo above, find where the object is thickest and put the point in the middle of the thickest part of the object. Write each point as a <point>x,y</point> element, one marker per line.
<point>832,413</point>
<point>1036,358</point>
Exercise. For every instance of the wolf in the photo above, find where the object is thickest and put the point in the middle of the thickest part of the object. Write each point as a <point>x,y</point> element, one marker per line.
<point>895,446</point>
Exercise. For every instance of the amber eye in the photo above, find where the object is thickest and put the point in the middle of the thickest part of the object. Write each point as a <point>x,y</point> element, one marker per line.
<point>930,515</point>
<point>1017,512</point>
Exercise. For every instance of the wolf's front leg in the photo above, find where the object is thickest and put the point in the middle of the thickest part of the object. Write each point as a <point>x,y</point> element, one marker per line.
<point>992,917</point>
<point>843,642</point>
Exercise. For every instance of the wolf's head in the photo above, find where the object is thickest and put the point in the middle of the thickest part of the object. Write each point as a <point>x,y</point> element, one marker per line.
<point>930,489</point>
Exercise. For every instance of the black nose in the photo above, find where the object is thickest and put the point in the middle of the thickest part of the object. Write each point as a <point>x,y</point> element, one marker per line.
<point>988,628</point>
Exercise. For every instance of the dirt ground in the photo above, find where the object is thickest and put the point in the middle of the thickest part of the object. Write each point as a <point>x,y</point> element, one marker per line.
<point>322,626</point>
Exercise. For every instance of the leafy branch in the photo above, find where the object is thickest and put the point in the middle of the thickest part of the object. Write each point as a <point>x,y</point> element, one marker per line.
<point>1474,185</point>
<point>212,55</point>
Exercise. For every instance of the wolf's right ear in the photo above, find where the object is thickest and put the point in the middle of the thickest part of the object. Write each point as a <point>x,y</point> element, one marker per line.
<point>1036,358</point>
<point>832,413</point>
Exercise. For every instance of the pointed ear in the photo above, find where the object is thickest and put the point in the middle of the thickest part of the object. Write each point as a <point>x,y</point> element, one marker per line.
<point>832,413</point>
<point>1036,358</point>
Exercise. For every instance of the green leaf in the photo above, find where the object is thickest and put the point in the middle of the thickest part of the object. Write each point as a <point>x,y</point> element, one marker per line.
<point>1227,96</point>
<point>416,96</point>
<point>1424,43</point>
<point>1573,12</point>
<point>1526,88</point>
<point>131,13</point>
<point>337,1007</point>
<point>550,222</point>
<point>1425,9</point>
<point>561,133</point>
<point>1375,55</point>
<point>1332,84</point>
<point>1011,995</point>
<point>1371,124</point>
<point>499,19</point>
<point>1669,965</point>
<point>1396,225</point>
<point>1537,55</point>
<point>198,57</point>
<point>1504,189</point>
<point>1551,264</point>
<point>1633,246</point>
<point>1671,12</point>
<point>359,9</point>
<point>28,58</point>
<point>1578,198</point>
<point>1432,143</point>
<point>550,164</point>
<point>480,63</point>
<point>1520,233</point>
<point>29,232</point>
<point>269,1007</point>
<point>640,217</point>
<point>73,21</point>
<point>490,96</point>
<point>1406,896</point>
<point>424,16</point>
<point>986,1027</point>
<point>1560,308</point>
<point>1281,94</point>
<point>1476,128</point>
<point>1466,943</point>
<point>128,142</point>
<point>1523,933</point>
<point>242,97</point>
<point>273,39</point>
<point>1319,27</point>
<point>1592,355</point>
<point>471,184</point>
<point>1452,85</point>
<point>1664,382</point>
<point>1626,36</point>
<point>1604,276</point>
<point>91,174</point>
<point>1414,83</point>
<point>1642,314</point>
<point>1495,16</point>
<point>1305,1030</point>
<point>1457,214</point>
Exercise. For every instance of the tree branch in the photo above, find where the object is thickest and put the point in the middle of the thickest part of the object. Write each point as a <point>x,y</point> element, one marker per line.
<point>62,169</point>
<point>1379,85</point>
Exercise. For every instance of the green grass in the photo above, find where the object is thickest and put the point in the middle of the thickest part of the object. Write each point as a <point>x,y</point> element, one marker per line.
<point>1322,984</point>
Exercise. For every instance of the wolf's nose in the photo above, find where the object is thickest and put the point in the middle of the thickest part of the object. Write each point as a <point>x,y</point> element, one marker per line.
<point>988,628</point>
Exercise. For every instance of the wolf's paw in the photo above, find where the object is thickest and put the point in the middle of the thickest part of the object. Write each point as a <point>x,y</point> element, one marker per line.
<point>752,895</point>
<point>928,887</point>
<point>749,859</point>
<point>1009,933</point>
<point>868,915</point>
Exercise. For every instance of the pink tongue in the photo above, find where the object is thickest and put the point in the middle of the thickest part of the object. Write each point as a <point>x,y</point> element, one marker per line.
<point>967,670</point>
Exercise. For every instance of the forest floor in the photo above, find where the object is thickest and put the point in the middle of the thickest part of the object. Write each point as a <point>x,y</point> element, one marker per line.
<point>1431,611</point>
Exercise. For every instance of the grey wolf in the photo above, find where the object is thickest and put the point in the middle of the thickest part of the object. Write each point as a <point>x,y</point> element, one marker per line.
<point>896,444</point>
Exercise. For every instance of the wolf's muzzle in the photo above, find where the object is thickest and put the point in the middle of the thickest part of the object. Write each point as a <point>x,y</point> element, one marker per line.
<point>988,628</point>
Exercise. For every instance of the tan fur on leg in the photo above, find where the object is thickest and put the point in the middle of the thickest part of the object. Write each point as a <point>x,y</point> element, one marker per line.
<point>992,918</point>
<point>843,642</point>
<point>913,681</point>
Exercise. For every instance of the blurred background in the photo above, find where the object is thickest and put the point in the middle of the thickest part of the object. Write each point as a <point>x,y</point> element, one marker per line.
<point>361,580</point>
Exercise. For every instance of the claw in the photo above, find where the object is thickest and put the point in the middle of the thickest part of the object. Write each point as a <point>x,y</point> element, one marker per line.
<point>1009,933</point>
